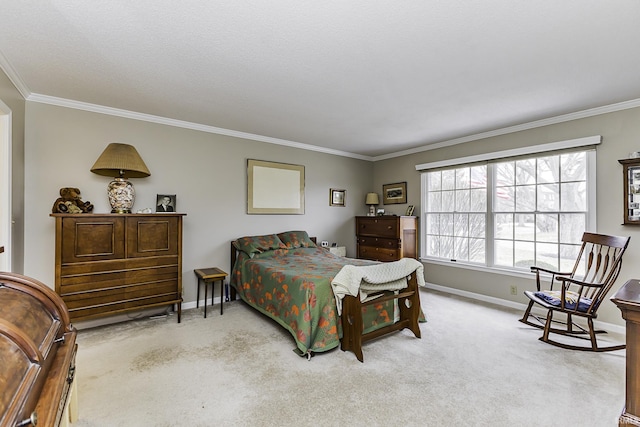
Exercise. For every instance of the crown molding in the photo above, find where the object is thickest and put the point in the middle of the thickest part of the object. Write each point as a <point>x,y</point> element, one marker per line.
<point>62,102</point>
<point>14,77</point>
<point>101,109</point>
<point>517,128</point>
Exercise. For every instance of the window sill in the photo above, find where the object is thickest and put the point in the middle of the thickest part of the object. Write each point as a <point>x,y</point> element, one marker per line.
<point>494,270</point>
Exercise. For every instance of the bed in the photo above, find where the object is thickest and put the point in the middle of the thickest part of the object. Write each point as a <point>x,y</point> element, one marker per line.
<point>288,278</point>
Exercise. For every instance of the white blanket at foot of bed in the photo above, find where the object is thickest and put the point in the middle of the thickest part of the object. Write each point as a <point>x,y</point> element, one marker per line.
<point>364,280</point>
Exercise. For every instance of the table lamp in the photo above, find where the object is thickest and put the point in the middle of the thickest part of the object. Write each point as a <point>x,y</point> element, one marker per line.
<point>120,161</point>
<point>372,200</point>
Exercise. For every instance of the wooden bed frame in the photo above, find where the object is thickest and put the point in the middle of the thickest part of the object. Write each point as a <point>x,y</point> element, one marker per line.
<point>351,318</point>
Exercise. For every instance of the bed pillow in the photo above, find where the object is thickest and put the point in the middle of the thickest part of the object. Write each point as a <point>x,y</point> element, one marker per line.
<point>252,245</point>
<point>296,239</point>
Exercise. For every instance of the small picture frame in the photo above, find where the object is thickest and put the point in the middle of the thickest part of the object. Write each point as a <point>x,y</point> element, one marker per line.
<point>394,193</point>
<point>380,212</point>
<point>165,203</point>
<point>410,209</point>
<point>337,197</point>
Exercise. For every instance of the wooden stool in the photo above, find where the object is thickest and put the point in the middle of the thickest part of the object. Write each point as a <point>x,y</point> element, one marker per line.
<point>210,275</point>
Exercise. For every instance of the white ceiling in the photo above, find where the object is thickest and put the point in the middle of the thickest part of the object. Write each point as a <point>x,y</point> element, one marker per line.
<point>364,77</point>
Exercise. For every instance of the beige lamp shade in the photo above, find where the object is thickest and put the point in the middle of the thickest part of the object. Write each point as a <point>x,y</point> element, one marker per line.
<point>372,199</point>
<point>120,160</point>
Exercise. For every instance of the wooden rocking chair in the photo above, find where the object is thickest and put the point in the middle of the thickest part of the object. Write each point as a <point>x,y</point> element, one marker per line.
<point>579,292</point>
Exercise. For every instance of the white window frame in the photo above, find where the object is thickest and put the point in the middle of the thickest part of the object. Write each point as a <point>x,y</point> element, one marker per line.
<point>587,143</point>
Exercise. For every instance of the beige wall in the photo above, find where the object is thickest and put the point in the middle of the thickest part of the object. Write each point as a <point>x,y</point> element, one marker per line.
<point>620,135</point>
<point>206,171</point>
<point>15,101</point>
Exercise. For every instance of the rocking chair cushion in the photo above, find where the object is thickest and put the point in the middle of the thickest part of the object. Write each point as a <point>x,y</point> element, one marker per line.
<point>554,298</point>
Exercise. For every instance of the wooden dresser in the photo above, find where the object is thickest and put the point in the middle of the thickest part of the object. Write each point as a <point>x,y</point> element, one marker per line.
<point>113,263</point>
<point>37,353</point>
<point>387,238</point>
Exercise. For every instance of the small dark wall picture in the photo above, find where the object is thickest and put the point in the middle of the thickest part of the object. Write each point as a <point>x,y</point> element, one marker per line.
<point>166,203</point>
<point>337,197</point>
<point>394,193</point>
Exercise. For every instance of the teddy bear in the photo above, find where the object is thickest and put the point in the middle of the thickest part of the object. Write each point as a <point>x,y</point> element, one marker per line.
<point>70,202</point>
<point>71,207</point>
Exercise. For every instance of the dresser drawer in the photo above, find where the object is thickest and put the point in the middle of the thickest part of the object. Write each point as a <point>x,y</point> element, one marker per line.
<point>379,242</point>
<point>378,254</point>
<point>117,299</point>
<point>377,226</point>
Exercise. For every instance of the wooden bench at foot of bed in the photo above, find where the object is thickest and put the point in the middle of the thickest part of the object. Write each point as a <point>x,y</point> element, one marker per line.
<point>352,326</point>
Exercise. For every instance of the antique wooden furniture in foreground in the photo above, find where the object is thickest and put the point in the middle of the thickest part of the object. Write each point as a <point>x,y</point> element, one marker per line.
<point>580,291</point>
<point>628,301</point>
<point>113,263</point>
<point>37,354</point>
<point>387,238</point>
<point>352,326</point>
<point>210,275</point>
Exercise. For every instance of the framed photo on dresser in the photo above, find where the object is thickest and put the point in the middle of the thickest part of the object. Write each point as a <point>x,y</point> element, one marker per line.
<point>165,203</point>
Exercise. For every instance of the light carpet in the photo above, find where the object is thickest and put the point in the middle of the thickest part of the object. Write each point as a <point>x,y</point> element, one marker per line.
<point>475,365</point>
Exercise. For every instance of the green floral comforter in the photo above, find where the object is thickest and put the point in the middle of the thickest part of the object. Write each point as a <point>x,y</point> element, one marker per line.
<point>293,287</point>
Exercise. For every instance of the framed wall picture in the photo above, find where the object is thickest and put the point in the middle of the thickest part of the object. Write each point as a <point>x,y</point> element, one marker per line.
<point>166,203</point>
<point>337,197</point>
<point>274,188</point>
<point>394,193</point>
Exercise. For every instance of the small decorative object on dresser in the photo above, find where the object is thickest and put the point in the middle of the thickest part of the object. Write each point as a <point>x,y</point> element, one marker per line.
<point>387,238</point>
<point>410,209</point>
<point>337,197</point>
<point>70,202</point>
<point>166,203</point>
<point>394,193</point>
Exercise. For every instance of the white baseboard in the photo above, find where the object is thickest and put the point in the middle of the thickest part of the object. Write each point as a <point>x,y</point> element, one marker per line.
<point>192,304</point>
<point>512,304</point>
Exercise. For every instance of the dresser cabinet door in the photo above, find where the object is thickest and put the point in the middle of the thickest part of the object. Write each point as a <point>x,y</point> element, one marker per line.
<point>88,238</point>
<point>152,236</point>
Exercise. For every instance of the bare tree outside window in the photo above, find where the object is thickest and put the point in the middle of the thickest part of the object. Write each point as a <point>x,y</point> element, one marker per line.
<point>538,209</point>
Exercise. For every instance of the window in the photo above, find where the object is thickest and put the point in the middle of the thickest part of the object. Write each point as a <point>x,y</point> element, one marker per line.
<point>510,213</point>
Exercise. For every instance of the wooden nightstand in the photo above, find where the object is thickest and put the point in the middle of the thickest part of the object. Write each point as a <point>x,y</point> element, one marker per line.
<point>210,275</point>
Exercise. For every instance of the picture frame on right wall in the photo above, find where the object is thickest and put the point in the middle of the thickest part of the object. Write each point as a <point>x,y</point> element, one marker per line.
<point>394,193</point>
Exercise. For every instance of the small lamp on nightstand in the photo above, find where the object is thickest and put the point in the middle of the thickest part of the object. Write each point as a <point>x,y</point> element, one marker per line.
<point>372,200</point>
